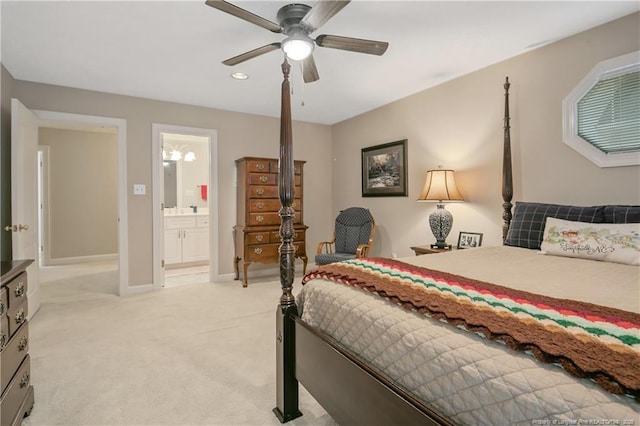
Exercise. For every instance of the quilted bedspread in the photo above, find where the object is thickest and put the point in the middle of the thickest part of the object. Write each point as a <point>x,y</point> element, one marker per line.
<point>468,378</point>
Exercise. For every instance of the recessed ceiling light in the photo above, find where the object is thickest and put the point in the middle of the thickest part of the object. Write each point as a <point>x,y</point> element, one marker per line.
<point>239,76</point>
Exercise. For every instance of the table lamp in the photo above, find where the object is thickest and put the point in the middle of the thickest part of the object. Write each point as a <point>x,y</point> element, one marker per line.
<point>440,186</point>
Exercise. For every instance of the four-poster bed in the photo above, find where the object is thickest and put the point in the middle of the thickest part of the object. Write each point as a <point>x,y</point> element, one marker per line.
<point>355,352</point>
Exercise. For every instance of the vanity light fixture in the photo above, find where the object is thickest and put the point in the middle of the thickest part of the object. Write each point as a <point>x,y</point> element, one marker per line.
<point>177,153</point>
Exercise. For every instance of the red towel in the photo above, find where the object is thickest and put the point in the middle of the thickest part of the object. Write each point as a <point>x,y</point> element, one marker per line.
<point>203,192</point>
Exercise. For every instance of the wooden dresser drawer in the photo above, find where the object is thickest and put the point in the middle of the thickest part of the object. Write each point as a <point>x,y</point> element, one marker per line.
<point>263,178</point>
<point>262,253</point>
<point>4,301</point>
<point>298,235</point>
<point>15,393</point>
<point>267,205</point>
<point>267,252</point>
<point>263,191</point>
<point>4,331</point>
<point>271,205</point>
<point>14,354</point>
<point>259,166</point>
<point>267,218</point>
<point>17,290</point>
<point>254,238</point>
<point>17,315</point>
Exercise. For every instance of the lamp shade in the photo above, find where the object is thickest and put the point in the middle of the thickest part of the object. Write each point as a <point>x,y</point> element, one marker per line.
<point>439,186</point>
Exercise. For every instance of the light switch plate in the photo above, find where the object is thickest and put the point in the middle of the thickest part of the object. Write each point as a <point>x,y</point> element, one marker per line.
<point>139,189</point>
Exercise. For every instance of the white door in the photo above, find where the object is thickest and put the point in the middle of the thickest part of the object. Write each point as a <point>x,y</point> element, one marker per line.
<point>24,195</point>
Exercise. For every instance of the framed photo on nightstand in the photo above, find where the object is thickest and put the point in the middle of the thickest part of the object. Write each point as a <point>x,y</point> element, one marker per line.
<point>469,240</point>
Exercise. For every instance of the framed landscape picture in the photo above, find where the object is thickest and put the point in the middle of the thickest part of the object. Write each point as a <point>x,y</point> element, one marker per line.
<point>384,170</point>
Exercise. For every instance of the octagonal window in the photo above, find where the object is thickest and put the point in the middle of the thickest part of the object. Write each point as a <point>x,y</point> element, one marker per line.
<point>602,114</point>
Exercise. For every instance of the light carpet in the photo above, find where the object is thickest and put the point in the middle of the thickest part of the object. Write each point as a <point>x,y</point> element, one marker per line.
<point>199,354</point>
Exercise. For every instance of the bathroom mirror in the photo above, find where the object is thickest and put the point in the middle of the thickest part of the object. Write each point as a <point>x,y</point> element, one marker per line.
<point>186,170</point>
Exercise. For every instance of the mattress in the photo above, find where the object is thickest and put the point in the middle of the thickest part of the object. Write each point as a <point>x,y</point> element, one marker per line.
<point>462,375</point>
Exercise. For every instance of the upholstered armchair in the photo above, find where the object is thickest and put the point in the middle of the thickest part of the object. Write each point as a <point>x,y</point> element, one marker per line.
<point>352,237</point>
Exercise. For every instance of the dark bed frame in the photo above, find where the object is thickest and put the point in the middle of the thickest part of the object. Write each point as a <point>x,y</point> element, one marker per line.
<point>346,387</point>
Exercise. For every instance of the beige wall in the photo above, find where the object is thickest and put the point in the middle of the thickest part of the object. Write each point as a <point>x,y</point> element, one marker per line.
<point>83,192</point>
<point>238,135</point>
<point>459,125</point>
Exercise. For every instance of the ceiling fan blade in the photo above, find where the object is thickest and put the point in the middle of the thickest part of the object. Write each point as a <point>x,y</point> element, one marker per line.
<point>309,70</point>
<point>321,12</point>
<point>244,14</point>
<point>252,54</point>
<point>351,44</point>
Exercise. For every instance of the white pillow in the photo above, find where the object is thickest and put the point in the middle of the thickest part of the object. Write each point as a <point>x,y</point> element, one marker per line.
<point>611,242</point>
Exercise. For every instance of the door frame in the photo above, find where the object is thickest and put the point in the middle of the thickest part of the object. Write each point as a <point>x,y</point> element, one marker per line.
<point>158,199</point>
<point>121,128</point>
<point>43,205</point>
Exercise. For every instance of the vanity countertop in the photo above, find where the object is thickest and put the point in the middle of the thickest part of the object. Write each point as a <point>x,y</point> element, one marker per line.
<point>185,214</point>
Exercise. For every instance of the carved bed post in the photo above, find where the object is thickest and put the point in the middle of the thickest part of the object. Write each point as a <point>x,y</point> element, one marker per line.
<point>286,382</point>
<point>507,181</point>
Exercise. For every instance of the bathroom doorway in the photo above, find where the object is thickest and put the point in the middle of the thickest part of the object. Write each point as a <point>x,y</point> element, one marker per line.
<point>185,205</point>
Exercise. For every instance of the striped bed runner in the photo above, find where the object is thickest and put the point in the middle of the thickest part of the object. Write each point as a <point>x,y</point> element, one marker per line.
<point>587,340</point>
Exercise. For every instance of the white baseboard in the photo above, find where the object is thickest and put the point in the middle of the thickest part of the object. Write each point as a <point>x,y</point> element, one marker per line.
<point>81,259</point>
<point>137,289</point>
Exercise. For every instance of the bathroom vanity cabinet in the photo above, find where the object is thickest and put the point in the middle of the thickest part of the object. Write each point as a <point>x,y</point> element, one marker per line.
<point>186,239</point>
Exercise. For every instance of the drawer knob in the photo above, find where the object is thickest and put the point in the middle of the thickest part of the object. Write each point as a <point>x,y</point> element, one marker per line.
<point>264,179</point>
<point>23,344</point>
<point>260,218</point>
<point>20,317</point>
<point>257,250</point>
<point>259,238</point>
<point>260,191</point>
<point>25,380</point>
<point>20,289</point>
<point>260,206</point>
<point>260,166</point>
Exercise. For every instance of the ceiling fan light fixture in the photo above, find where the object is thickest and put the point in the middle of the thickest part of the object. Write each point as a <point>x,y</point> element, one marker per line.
<point>297,46</point>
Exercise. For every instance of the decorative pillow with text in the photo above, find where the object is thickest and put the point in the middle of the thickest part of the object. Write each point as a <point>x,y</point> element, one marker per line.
<point>610,242</point>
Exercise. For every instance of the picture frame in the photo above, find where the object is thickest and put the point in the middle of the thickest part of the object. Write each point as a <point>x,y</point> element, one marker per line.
<point>384,170</point>
<point>469,240</point>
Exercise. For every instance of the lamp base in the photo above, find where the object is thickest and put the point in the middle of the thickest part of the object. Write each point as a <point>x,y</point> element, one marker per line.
<point>440,221</point>
<point>442,246</point>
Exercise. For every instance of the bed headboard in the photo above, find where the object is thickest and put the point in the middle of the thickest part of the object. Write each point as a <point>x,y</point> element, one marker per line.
<point>507,174</point>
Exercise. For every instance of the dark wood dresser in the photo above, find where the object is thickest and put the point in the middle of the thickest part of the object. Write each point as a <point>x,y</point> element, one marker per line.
<point>16,401</point>
<point>257,233</point>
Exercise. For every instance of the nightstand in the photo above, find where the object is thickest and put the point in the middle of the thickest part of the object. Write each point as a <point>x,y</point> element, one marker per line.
<point>428,250</point>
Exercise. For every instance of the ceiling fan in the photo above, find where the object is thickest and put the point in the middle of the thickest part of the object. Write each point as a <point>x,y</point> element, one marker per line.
<point>297,21</point>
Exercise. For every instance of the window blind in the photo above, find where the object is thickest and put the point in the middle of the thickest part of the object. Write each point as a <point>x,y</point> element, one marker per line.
<point>609,114</point>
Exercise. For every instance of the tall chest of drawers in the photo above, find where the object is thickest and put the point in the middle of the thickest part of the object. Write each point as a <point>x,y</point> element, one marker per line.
<point>257,233</point>
<point>16,401</point>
